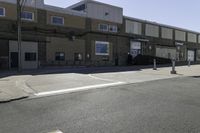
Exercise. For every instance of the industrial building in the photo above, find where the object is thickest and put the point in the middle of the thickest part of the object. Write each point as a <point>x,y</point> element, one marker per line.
<point>88,33</point>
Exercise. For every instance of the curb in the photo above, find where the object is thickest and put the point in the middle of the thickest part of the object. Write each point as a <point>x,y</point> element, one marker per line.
<point>15,99</point>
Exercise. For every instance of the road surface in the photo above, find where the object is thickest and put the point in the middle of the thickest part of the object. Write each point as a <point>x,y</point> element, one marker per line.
<point>163,106</point>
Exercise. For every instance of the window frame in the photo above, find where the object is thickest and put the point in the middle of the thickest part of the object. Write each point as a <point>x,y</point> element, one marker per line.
<point>57,23</point>
<point>60,59</point>
<point>28,19</point>
<point>115,27</point>
<point>31,59</point>
<point>4,12</point>
<point>104,30</point>
<point>108,48</point>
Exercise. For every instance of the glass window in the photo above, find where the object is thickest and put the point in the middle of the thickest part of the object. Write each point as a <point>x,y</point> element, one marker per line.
<point>27,15</point>
<point>30,56</point>
<point>113,28</point>
<point>57,20</point>
<point>60,56</point>
<point>102,48</point>
<point>2,11</point>
<point>103,27</point>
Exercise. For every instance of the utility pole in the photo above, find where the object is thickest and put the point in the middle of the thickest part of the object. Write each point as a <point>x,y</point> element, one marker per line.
<point>19,34</point>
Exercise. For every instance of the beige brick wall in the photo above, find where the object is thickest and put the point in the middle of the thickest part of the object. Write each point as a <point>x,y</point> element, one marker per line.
<point>69,20</point>
<point>11,11</point>
<point>64,45</point>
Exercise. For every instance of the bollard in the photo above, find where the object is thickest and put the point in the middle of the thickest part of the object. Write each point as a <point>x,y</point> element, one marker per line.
<point>173,67</point>
<point>154,64</point>
<point>189,63</point>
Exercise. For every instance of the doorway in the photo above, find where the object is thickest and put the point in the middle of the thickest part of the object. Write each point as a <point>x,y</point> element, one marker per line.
<point>14,59</point>
<point>191,55</point>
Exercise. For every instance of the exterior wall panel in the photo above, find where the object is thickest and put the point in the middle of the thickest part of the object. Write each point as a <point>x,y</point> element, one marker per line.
<point>133,27</point>
<point>198,38</point>
<point>165,52</point>
<point>166,33</point>
<point>152,30</point>
<point>104,12</point>
<point>27,47</point>
<point>180,35</point>
<point>192,37</point>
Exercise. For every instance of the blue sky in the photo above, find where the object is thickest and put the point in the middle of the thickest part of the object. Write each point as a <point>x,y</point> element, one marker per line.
<point>180,13</point>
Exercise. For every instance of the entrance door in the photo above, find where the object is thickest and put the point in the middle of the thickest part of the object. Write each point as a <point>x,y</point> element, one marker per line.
<point>135,48</point>
<point>14,59</point>
<point>191,55</point>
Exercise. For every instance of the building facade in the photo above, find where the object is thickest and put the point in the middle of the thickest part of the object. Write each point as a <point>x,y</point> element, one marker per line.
<point>88,33</point>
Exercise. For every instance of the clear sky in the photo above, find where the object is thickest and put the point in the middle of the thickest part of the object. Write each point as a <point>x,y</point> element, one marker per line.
<point>180,13</point>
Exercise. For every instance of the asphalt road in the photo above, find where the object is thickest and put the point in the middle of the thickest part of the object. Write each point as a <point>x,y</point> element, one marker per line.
<point>164,106</point>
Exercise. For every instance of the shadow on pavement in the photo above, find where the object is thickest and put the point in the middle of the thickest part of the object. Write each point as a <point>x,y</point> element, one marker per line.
<point>80,70</point>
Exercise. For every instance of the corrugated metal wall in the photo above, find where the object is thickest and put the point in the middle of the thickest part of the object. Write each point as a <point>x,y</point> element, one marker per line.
<point>133,27</point>
<point>192,37</point>
<point>152,30</point>
<point>167,33</point>
<point>180,35</point>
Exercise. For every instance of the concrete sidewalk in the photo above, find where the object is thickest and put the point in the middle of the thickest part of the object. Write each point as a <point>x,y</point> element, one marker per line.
<point>15,86</point>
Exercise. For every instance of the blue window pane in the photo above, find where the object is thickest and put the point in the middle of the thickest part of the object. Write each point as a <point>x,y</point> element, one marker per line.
<point>102,49</point>
<point>58,20</point>
<point>2,11</point>
<point>27,15</point>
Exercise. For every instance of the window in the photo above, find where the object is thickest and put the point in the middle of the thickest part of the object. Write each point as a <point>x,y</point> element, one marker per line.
<point>30,56</point>
<point>2,11</point>
<point>103,27</point>
<point>102,48</point>
<point>27,15</point>
<point>113,28</point>
<point>57,20</point>
<point>60,56</point>
<point>80,8</point>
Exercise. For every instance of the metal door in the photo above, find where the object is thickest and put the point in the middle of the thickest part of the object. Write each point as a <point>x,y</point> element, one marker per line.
<point>14,59</point>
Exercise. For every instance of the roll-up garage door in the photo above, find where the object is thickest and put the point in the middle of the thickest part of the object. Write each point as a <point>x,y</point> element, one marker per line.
<point>165,52</point>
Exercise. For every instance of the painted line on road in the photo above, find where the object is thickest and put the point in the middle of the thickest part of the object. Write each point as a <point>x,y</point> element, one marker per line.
<point>77,89</point>
<point>56,131</point>
<point>94,77</point>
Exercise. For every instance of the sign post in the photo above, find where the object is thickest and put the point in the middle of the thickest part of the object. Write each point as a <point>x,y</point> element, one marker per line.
<point>173,67</point>
<point>154,64</point>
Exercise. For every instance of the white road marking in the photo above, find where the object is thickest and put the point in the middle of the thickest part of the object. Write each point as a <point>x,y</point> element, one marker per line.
<point>57,131</point>
<point>70,90</point>
<point>94,77</point>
